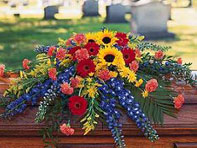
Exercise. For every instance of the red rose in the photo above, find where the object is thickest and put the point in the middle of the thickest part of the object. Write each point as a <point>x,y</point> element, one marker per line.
<point>151,85</point>
<point>77,105</point>
<point>122,39</point>
<point>61,53</point>
<point>85,67</point>
<point>52,73</point>
<point>92,48</point>
<point>25,64</point>
<point>51,50</point>
<point>159,55</point>
<point>128,55</point>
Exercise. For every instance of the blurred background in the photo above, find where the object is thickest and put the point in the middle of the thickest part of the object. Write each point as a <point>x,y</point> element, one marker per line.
<point>25,24</point>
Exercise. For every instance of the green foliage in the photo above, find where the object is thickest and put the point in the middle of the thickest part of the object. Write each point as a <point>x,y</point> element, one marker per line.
<point>147,45</point>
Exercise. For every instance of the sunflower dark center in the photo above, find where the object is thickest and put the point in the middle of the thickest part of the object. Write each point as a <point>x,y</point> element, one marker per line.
<point>86,67</point>
<point>91,50</point>
<point>112,68</point>
<point>106,40</point>
<point>77,105</point>
<point>91,40</point>
<point>109,58</point>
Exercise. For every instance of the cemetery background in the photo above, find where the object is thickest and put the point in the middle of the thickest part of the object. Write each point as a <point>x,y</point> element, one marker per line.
<point>20,35</point>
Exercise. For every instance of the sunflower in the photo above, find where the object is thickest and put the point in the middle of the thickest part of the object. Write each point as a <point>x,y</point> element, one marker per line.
<point>106,38</point>
<point>110,56</point>
<point>90,37</point>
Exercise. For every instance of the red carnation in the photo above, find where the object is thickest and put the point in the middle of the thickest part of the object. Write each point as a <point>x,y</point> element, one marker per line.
<point>52,73</point>
<point>85,67</point>
<point>128,54</point>
<point>25,64</point>
<point>77,105</point>
<point>50,51</point>
<point>79,38</point>
<point>72,52</point>
<point>122,39</point>
<point>61,53</point>
<point>92,48</point>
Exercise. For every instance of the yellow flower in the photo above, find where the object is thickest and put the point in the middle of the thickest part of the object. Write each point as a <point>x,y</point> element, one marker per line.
<point>91,37</point>
<point>111,56</point>
<point>106,38</point>
<point>145,94</point>
<point>92,91</point>
<point>138,83</point>
<point>113,74</point>
<point>131,76</point>
<point>89,80</point>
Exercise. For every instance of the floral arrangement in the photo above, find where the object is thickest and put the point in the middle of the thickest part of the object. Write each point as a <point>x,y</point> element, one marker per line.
<point>95,76</point>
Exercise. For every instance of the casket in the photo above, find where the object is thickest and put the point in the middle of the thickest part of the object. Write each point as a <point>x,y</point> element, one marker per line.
<point>180,132</point>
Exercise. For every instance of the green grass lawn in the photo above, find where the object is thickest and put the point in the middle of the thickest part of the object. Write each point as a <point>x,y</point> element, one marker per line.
<point>19,37</point>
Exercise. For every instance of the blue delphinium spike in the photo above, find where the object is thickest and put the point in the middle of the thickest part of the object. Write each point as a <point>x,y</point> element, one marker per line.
<point>133,109</point>
<point>112,115</point>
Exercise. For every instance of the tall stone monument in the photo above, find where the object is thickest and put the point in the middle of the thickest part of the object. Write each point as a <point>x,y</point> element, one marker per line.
<point>150,18</point>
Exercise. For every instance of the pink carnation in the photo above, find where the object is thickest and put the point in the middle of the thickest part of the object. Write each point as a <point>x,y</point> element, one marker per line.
<point>51,50</point>
<point>178,101</point>
<point>66,129</point>
<point>137,53</point>
<point>2,69</point>
<point>52,73</point>
<point>179,61</point>
<point>79,38</point>
<point>151,85</point>
<point>75,82</point>
<point>66,89</point>
<point>61,53</point>
<point>25,64</point>
<point>159,55</point>
<point>134,66</point>
<point>82,54</point>
<point>104,74</point>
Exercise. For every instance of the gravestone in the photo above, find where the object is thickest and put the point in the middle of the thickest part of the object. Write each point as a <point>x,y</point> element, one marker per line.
<point>150,19</point>
<point>90,8</point>
<point>50,11</point>
<point>115,14</point>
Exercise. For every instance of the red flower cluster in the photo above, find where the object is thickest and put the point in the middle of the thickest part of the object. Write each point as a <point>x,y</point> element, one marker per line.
<point>66,129</point>
<point>92,48</point>
<point>2,69</point>
<point>77,105</point>
<point>178,101</point>
<point>79,38</point>
<point>151,85</point>
<point>75,82</point>
<point>122,39</point>
<point>61,53</point>
<point>104,74</point>
<point>72,52</point>
<point>85,67</point>
<point>179,61</point>
<point>25,64</point>
<point>66,89</point>
<point>81,54</point>
<point>52,73</point>
<point>128,55</point>
<point>134,65</point>
<point>51,50</point>
<point>159,55</point>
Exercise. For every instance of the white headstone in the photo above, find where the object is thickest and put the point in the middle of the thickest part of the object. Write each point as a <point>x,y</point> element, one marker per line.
<point>150,19</point>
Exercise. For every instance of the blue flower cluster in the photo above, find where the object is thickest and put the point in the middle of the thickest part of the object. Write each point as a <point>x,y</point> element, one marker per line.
<point>40,90</point>
<point>133,109</point>
<point>108,105</point>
